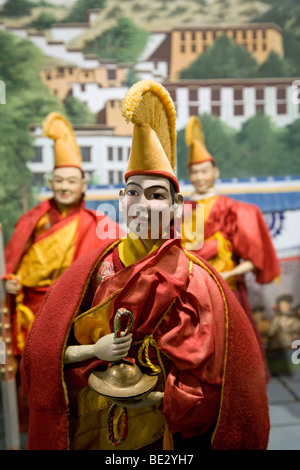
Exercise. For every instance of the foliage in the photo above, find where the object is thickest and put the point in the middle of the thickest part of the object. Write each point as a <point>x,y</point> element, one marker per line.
<point>223,59</point>
<point>43,21</point>
<point>28,101</point>
<point>286,15</point>
<point>257,149</point>
<point>17,8</point>
<point>77,112</point>
<point>80,8</point>
<point>123,42</point>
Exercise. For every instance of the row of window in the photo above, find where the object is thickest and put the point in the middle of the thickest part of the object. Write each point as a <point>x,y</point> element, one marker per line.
<point>214,34</point>
<point>239,109</point>
<point>281,94</point>
<point>193,47</point>
<point>63,72</point>
<point>113,154</point>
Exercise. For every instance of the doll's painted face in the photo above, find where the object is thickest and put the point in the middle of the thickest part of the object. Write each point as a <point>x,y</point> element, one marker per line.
<point>68,186</point>
<point>203,176</point>
<point>147,204</point>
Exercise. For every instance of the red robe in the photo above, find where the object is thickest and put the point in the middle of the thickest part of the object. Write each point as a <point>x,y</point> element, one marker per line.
<point>243,225</point>
<point>152,284</point>
<point>86,240</point>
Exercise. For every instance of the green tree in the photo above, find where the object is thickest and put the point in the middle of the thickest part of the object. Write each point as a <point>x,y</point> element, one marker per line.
<point>43,21</point>
<point>223,59</point>
<point>79,10</point>
<point>286,15</point>
<point>261,149</point>
<point>17,8</point>
<point>219,141</point>
<point>77,112</point>
<point>290,139</point>
<point>275,66</point>
<point>124,42</point>
<point>28,101</point>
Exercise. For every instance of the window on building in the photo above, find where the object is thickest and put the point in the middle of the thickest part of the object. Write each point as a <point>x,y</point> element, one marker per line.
<point>193,36</point>
<point>264,46</point>
<point>110,153</point>
<point>193,94</point>
<point>281,108</point>
<point>38,155</point>
<point>264,34</point>
<point>82,86</point>
<point>182,36</point>
<point>260,108</point>
<point>128,152</point>
<point>254,35</point>
<point>215,94</point>
<point>193,110</point>
<point>60,71</point>
<point>238,94</point>
<point>216,110</point>
<point>110,177</point>
<point>111,74</point>
<point>193,48</point>
<point>281,93</point>
<point>244,34</point>
<point>238,110</point>
<point>182,48</point>
<point>86,154</point>
<point>120,177</point>
<point>204,35</point>
<point>48,76</point>
<point>120,153</point>
<point>259,93</point>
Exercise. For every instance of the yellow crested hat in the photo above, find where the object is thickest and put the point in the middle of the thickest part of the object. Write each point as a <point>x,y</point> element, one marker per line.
<point>66,150</point>
<point>194,139</point>
<point>148,105</point>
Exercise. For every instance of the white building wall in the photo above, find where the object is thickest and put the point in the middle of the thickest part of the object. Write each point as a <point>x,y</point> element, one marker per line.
<point>227,104</point>
<point>249,102</point>
<point>182,107</point>
<point>204,96</point>
<point>66,34</point>
<point>96,97</point>
<point>99,165</point>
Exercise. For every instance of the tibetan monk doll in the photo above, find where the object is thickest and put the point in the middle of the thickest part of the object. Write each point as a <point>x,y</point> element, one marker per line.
<point>52,235</point>
<point>236,237</point>
<point>188,330</point>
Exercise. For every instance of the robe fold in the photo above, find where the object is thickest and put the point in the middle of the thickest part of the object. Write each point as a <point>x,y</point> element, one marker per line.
<point>215,372</point>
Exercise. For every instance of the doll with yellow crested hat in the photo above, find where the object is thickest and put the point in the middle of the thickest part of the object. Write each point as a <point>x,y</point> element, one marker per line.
<point>187,333</point>
<point>51,236</point>
<point>236,236</point>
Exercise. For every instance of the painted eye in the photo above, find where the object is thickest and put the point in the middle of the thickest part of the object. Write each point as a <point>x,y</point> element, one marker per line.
<point>156,196</point>
<point>132,192</point>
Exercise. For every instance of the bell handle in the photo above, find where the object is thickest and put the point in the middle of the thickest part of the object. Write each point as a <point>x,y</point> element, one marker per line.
<point>117,322</point>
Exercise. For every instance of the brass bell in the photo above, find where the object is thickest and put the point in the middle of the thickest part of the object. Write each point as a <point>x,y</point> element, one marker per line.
<point>122,379</point>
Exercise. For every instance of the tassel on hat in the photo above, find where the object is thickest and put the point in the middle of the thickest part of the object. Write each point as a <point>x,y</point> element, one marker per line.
<point>194,138</point>
<point>150,108</point>
<point>66,151</point>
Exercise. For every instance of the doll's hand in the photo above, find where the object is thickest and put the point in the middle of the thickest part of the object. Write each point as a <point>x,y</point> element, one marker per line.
<point>109,348</point>
<point>12,286</point>
<point>153,398</point>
